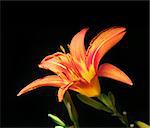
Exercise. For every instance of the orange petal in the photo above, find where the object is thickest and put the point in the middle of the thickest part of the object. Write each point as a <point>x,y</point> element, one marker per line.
<point>76,47</point>
<point>52,80</point>
<point>110,71</point>
<point>52,62</point>
<point>101,43</point>
<point>57,63</point>
<point>62,91</point>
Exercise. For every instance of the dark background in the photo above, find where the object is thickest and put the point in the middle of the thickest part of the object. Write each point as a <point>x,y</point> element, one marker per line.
<point>32,30</point>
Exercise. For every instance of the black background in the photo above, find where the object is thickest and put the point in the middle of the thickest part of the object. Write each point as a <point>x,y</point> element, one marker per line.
<point>32,30</point>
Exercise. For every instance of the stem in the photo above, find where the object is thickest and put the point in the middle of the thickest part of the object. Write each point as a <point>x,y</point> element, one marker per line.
<point>122,118</point>
<point>71,109</point>
<point>76,125</point>
<point>109,101</point>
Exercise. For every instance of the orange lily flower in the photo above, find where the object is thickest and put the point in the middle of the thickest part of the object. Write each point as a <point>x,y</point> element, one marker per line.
<point>78,70</point>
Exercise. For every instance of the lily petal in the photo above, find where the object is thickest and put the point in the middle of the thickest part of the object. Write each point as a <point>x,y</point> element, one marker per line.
<point>62,91</point>
<point>77,48</point>
<point>57,63</point>
<point>110,71</point>
<point>101,43</point>
<point>52,80</point>
<point>52,62</point>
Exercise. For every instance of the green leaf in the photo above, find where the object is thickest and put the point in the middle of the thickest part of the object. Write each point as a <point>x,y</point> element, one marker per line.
<point>57,120</point>
<point>93,103</point>
<point>105,99</point>
<point>71,108</point>
<point>112,98</point>
<point>123,120</point>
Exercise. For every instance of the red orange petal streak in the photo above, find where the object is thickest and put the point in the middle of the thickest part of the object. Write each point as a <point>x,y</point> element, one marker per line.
<point>52,80</point>
<point>110,71</point>
<point>101,43</point>
<point>77,48</point>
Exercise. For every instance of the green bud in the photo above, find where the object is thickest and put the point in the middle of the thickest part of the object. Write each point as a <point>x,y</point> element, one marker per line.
<point>106,100</point>
<point>59,127</point>
<point>141,124</point>
<point>56,120</point>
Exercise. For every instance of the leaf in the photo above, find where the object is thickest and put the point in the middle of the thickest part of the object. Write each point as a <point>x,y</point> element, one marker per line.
<point>57,120</point>
<point>112,98</point>
<point>70,107</point>
<point>141,124</point>
<point>105,99</point>
<point>93,103</point>
<point>123,120</point>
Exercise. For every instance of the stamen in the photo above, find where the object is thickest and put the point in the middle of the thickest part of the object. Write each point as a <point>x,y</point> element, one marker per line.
<point>68,46</point>
<point>71,68</point>
<point>59,64</point>
<point>124,113</point>
<point>59,58</point>
<point>62,48</point>
<point>131,125</point>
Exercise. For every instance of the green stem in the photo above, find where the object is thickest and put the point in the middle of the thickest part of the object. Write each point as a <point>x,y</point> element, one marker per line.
<point>71,109</point>
<point>76,125</point>
<point>122,118</point>
<point>109,101</point>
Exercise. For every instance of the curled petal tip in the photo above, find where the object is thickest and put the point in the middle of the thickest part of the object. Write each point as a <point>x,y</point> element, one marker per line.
<point>39,65</point>
<point>60,99</point>
<point>131,83</point>
<point>19,94</point>
<point>22,92</point>
<point>62,91</point>
<point>86,29</point>
<point>77,48</point>
<point>128,83</point>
